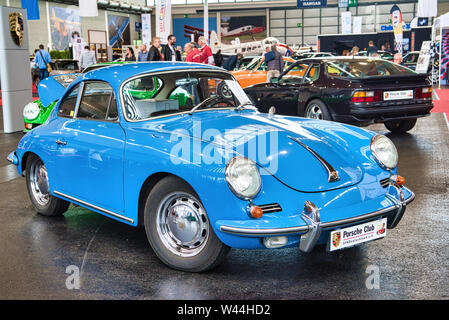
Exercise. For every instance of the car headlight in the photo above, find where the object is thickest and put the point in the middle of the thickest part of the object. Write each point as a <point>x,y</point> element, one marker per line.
<point>384,152</point>
<point>31,111</point>
<point>243,177</point>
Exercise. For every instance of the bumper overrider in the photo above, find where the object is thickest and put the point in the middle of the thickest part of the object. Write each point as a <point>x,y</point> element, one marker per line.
<point>311,231</point>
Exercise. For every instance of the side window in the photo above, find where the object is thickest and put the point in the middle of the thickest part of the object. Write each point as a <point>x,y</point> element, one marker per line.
<point>295,74</point>
<point>313,74</point>
<point>98,102</point>
<point>67,106</point>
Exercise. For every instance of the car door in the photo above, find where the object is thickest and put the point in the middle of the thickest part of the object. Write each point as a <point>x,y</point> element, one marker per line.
<point>283,95</point>
<point>91,145</point>
<point>310,87</point>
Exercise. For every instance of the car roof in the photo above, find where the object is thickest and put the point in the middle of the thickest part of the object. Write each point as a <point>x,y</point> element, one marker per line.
<point>332,58</point>
<point>115,74</point>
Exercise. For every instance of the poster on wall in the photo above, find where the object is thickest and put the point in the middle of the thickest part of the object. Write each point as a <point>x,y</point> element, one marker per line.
<point>185,29</point>
<point>245,28</point>
<point>119,31</point>
<point>163,19</point>
<point>64,22</point>
<point>346,25</point>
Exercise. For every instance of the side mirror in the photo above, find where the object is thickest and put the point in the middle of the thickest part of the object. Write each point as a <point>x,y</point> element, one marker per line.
<point>274,80</point>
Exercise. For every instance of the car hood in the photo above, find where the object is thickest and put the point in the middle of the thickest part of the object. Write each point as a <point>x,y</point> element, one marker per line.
<point>289,148</point>
<point>52,88</point>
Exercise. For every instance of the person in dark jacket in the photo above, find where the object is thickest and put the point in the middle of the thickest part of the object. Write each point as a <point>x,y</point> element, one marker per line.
<point>130,54</point>
<point>231,63</point>
<point>276,65</point>
<point>371,49</point>
<point>169,50</point>
<point>154,53</point>
<point>218,58</point>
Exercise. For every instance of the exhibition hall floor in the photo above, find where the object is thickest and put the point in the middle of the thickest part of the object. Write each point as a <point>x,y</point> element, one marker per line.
<point>116,262</point>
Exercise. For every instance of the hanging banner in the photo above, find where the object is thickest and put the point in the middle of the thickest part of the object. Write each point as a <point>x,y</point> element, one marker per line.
<point>206,20</point>
<point>444,57</point>
<point>357,25</point>
<point>346,25</point>
<point>311,4</point>
<point>163,19</point>
<point>146,29</point>
<point>88,8</point>
<point>396,21</point>
<point>32,7</point>
<point>427,8</point>
<point>422,65</point>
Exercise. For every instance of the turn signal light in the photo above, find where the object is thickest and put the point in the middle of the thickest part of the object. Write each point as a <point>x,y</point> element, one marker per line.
<point>400,181</point>
<point>28,126</point>
<point>367,96</point>
<point>423,93</point>
<point>256,212</point>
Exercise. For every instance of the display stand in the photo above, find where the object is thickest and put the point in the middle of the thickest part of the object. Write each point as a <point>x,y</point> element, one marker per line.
<point>15,69</point>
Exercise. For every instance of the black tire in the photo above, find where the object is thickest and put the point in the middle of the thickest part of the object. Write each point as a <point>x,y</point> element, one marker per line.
<point>400,126</point>
<point>317,109</point>
<point>53,206</point>
<point>212,251</point>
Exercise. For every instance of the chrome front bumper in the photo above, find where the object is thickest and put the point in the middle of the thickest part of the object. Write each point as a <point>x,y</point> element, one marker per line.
<point>311,232</point>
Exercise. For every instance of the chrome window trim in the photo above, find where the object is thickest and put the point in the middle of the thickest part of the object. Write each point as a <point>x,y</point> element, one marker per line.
<point>87,204</point>
<point>122,104</point>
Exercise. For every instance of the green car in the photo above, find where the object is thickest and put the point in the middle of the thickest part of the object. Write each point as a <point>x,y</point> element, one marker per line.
<point>37,112</point>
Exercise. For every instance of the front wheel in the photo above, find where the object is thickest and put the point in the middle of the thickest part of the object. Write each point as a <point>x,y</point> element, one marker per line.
<point>178,228</point>
<point>316,109</point>
<point>39,189</point>
<point>400,126</point>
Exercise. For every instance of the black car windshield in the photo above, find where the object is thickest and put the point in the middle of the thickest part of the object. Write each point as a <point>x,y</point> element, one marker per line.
<point>150,96</point>
<point>365,68</point>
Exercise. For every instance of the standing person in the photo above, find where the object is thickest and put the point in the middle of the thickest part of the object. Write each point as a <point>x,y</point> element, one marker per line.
<point>206,52</point>
<point>231,63</point>
<point>155,54</point>
<point>276,65</point>
<point>218,58</point>
<point>371,48</point>
<point>169,50</point>
<point>42,59</point>
<point>193,54</point>
<point>87,58</point>
<point>130,54</point>
<point>354,51</point>
<point>143,53</point>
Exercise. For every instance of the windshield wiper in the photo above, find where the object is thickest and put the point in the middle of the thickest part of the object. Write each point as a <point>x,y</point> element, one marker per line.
<point>199,105</point>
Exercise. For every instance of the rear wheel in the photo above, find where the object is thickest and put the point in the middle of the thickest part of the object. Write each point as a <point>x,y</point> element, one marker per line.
<point>399,126</point>
<point>316,109</point>
<point>178,228</point>
<point>39,189</point>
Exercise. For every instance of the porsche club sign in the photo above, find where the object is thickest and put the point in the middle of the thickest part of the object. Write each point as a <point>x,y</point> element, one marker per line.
<point>16,27</point>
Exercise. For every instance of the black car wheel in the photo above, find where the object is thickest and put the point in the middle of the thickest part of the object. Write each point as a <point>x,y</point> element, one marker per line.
<point>39,191</point>
<point>316,109</point>
<point>178,228</point>
<point>399,126</point>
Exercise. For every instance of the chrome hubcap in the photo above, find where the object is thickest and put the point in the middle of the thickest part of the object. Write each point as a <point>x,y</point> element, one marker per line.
<point>182,224</point>
<point>39,183</point>
<point>315,112</point>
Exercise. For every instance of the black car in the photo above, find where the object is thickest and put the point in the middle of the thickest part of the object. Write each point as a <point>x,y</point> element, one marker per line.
<point>348,89</point>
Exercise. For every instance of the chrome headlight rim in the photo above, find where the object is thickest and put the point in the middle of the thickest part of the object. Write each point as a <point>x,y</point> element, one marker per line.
<point>228,177</point>
<point>34,115</point>
<point>376,156</point>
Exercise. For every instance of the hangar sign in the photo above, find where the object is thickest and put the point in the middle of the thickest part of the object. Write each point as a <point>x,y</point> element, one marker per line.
<point>311,3</point>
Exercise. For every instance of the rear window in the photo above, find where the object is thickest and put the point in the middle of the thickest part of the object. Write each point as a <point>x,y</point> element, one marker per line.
<point>365,68</point>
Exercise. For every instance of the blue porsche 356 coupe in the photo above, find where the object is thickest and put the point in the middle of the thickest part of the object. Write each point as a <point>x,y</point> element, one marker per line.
<point>179,149</point>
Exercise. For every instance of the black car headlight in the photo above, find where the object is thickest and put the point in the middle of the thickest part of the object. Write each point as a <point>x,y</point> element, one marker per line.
<point>243,177</point>
<point>384,152</point>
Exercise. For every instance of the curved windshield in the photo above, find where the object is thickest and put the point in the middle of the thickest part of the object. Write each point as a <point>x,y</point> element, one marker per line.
<point>365,68</point>
<point>152,96</point>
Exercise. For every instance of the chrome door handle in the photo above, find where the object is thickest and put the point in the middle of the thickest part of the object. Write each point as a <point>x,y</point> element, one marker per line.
<point>60,142</point>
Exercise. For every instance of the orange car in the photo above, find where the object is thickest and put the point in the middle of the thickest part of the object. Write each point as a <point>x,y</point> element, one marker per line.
<point>256,72</point>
